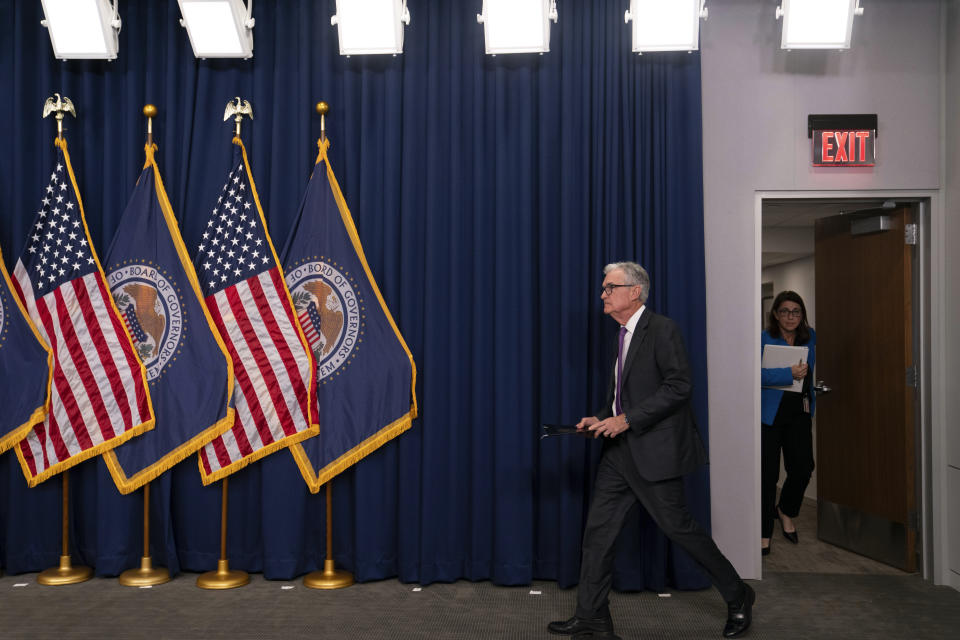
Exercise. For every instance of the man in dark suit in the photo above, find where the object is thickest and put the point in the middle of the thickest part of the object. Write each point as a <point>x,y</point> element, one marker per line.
<point>651,442</point>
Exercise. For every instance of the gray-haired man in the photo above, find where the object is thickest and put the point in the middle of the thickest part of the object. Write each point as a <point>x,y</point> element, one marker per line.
<point>651,441</point>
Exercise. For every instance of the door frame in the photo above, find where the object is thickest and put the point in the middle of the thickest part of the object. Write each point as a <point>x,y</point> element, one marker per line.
<point>932,450</point>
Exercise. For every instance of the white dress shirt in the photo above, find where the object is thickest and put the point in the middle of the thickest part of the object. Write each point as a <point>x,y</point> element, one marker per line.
<point>631,326</point>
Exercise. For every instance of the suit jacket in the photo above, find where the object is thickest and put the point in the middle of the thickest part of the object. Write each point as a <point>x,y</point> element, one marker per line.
<point>782,376</point>
<point>663,437</point>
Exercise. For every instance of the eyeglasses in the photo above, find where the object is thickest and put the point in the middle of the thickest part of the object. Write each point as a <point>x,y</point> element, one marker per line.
<point>789,313</point>
<point>608,288</point>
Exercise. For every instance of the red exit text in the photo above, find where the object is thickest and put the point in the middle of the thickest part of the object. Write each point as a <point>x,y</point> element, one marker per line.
<point>844,148</point>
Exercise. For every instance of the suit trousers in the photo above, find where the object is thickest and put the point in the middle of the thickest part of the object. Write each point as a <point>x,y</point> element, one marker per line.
<point>617,489</point>
<point>791,433</point>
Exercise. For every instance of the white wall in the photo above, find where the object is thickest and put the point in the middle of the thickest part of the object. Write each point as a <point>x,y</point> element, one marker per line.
<point>756,99</point>
<point>798,276</point>
<point>947,484</point>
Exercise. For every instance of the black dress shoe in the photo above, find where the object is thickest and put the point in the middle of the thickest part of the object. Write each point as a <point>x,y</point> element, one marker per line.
<point>583,627</point>
<point>740,614</point>
<point>789,535</point>
<point>764,551</point>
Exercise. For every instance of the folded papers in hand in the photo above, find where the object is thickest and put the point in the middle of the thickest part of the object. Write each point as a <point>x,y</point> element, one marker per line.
<point>564,430</point>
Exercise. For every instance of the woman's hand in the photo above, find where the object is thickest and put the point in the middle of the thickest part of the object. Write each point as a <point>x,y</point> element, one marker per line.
<point>799,371</point>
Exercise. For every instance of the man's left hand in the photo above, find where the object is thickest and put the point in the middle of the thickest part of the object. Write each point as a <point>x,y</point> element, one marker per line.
<point>610,428</point>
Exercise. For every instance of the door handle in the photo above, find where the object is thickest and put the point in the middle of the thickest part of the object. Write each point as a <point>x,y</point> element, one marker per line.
<point>821,387</point>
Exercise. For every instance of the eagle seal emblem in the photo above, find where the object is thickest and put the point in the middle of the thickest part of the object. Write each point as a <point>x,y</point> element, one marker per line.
<point>152,311</point>
<point>330,313</point>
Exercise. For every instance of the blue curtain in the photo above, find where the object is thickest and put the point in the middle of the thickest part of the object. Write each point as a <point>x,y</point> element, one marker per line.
<point>488,192</point>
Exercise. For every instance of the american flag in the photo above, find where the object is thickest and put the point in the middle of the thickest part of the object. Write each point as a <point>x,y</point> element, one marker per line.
<point>136,332</point>
<point>99,396</point>
<point>310,321</point>
<point>244,290</point>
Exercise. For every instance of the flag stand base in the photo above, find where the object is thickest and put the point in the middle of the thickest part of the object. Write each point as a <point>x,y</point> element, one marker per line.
<point>329,578</point>
<point>223,577</point>
<point>145,576</point>
<point>66,573</point>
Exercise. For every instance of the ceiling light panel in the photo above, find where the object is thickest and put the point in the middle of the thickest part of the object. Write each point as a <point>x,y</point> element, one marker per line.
<point>517,26</point>
<point>370,26</point>
<point>817,24</point>
<point>82,28</point>
<point>666,25</point>
<point>218,28</point>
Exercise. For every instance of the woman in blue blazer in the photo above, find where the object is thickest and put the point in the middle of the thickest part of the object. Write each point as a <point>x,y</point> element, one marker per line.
<point>786,419</point>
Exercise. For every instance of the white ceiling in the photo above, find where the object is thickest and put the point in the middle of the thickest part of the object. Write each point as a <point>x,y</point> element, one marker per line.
<point>798,216</point>
<point>773,258</point>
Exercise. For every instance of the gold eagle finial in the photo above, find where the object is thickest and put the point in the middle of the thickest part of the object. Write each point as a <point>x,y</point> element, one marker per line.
<point>60,106</point>
<point>238,108</point>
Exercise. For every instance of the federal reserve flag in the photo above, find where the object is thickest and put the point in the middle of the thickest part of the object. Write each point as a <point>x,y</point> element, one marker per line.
<point>99,397</point>
<point>188,370</point>
<point>25,364</point>
<point>242,282</point>
<point>366,376</point>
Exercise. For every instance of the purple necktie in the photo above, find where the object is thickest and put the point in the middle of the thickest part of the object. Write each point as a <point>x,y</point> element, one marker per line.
<point>623,332</point>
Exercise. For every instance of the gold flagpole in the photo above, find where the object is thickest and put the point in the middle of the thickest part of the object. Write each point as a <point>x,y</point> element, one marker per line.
<point>146,574</point>
<point>150,111</point>
<point>322,108</point>
<point>66,573</point>
<point>224,577</point>
<point>330,577</point>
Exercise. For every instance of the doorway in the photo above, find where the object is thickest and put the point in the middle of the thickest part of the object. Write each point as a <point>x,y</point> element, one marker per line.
<point>863,509</point>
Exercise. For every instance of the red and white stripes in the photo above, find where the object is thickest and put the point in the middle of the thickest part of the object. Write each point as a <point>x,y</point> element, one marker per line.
<point>98,391</point>
<point>273,372</point>
<point>309,331</point>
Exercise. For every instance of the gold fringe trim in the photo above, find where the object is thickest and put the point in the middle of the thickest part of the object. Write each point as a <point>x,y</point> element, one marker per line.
<point>127,484</point>
<point>256,455</point>
<point>315,480</point>
<point>130,484</point>
<point>347,220</point>
<point>23,310</point>
<point>83,455</point>
<point>4,445</point>
<point>18,434</point>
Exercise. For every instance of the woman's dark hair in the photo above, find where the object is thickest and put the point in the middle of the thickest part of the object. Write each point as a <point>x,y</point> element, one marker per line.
<point>773,326</point>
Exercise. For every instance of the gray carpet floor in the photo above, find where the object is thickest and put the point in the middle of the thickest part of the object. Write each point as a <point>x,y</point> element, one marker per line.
<point>789,605</point>
<point>811,590</point>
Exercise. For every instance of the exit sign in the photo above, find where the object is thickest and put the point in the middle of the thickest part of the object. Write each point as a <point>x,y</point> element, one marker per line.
<point>843,140</point>
<point>851,148</point>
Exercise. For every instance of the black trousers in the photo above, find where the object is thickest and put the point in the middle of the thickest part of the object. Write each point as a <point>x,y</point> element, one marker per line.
<point>618,488</point>
<point>791,433</point>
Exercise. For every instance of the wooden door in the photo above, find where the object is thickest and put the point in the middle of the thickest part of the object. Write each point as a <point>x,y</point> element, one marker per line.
<point>866,489</point>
